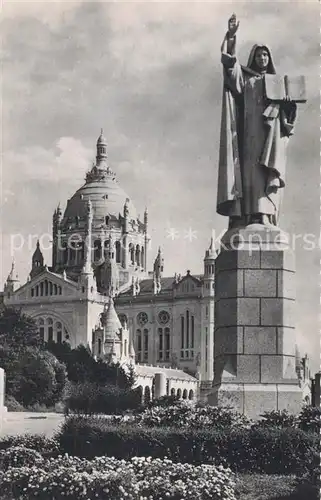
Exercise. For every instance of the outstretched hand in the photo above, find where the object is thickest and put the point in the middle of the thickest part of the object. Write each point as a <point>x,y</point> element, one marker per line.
<point>232,26</point>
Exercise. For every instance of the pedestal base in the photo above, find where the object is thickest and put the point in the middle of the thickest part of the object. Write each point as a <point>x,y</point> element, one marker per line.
<point>254,346</point>
<point>254,399</point>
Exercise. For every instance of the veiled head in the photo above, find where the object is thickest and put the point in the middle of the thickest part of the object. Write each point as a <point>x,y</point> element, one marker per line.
<point>260,60</point>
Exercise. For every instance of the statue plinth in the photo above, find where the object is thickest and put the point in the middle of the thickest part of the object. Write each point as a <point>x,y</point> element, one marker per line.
<point>254,358</point>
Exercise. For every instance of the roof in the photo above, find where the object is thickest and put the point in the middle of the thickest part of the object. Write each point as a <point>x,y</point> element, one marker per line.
<point>110,321</point>
<point>172,373</point>
<point>107,198</point>
<point>167,285</point>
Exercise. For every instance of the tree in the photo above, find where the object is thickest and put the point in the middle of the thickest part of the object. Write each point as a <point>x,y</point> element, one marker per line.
<point>83,367</point>
<point>18,330</point>
<point>35,377</point>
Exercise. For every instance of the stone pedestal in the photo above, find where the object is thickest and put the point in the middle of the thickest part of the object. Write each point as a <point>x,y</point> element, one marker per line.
<point>254,346</point>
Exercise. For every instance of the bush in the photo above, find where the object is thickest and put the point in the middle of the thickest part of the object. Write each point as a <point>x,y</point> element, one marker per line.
<point>38,442</point>
<point>12,404</point>
<point>187,414</point>
<point>89,399</point>
<point>108,478</point>
<point>272,451</point>
<point>309,419</point>
<point>308,483</point>
<point>277,419</point>
<point>19,456</point>
<point>33,376</point>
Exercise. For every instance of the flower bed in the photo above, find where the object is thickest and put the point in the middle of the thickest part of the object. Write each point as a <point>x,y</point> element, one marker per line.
<point>112,479</point>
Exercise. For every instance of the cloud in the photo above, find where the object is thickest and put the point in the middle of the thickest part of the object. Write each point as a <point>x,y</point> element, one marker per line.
<point>149,73</point>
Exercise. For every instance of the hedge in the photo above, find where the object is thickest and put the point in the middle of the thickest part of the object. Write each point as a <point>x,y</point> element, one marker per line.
<point>271,451</point>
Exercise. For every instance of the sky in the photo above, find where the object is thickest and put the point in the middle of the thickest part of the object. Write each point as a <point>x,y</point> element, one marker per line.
<point>149,73</point>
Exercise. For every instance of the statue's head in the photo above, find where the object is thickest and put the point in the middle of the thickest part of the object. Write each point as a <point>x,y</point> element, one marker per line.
<point>260,60</point>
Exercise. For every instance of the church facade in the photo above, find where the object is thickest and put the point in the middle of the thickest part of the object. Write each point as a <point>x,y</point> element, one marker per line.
<point>99,292</point>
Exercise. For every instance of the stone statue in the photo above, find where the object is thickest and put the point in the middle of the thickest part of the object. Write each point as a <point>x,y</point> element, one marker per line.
<point>254,136</point>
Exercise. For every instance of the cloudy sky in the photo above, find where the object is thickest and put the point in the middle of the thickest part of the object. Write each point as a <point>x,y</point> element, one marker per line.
<point>149,74</point>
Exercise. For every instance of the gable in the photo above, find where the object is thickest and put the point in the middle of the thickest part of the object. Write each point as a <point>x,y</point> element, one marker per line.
<point>188,285</point>
<point>45,285</point>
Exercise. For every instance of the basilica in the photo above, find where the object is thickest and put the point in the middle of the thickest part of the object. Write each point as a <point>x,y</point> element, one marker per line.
<point>99,292</point>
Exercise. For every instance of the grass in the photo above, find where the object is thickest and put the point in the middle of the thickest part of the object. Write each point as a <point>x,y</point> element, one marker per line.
<point>266,487</point>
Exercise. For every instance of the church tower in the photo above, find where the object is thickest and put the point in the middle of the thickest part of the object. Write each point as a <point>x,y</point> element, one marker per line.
<point>12,282</point>
<point>37,263</point>
<point>207,337</point>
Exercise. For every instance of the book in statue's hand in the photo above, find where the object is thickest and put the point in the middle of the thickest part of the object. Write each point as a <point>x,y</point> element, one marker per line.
<point>278,88</point>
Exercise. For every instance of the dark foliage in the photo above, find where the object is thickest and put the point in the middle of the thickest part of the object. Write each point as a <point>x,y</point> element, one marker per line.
<point>82,366</point>
<point>18,330</point>
<point>272,451</point>
<point>91,398</point>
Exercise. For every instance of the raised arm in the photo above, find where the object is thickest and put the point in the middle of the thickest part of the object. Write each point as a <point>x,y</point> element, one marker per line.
<point>229,43</point>
<point>233,76</point>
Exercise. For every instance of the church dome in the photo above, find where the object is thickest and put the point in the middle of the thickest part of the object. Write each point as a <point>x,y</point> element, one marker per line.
<point>103,190</point>
<point>106,196</point>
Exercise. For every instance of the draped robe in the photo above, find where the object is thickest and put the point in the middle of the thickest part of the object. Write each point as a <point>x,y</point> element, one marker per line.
<point>254,137</point>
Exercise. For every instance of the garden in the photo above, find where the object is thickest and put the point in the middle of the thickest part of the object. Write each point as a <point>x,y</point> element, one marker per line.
<point>111,446</point>
<point>172,450</point>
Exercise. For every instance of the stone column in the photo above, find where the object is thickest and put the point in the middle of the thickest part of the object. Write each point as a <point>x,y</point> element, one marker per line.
<point>160,385</point>
<point>254,364</point>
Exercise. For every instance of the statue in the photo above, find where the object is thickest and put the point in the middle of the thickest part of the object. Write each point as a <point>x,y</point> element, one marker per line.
<point>254,136</point>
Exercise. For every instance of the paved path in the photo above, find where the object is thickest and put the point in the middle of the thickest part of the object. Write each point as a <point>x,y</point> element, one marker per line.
<point>31,423</point>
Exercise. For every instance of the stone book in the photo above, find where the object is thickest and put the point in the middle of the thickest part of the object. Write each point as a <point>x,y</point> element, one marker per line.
<point>279,87</point>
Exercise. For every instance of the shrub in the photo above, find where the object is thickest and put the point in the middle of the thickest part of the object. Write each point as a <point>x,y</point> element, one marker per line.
<point>89,399</point>
<point>187,414</point>
<point>108,478</point>
<point>38,442</point>
<point>12,404</point>
<point>33,376</point>
<point>273,451</point>
<point>19,456</point>
<point>278,419</point>
<point>308,482</point>
<point>309,419</point>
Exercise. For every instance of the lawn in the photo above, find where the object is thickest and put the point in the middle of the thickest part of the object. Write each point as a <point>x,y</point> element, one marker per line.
<point>266,487</point>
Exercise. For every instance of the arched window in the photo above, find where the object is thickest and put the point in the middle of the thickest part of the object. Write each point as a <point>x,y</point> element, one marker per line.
<point>160,344</point>
<point>137,255</point>
<point>41,324</point>
<point>37,291</point>
<point>182,336</point>
<point>118,252</point>
<point>50,287</point>
<point>99,347</point>
<point>132,253</point>
<point>167,343</point>
<point>65,253</point>
<point>185,394</point>
<point>46,287</point>
<point>191,395</point>
<point>139,346</point>
<point>55,289</point>
<point>97,249</point>
<point>145,356</point>
<point>187,336</point>
<point>179,393</point>
<point>41,289</point>
<point>59,332</point>
<point>50,329</point>
<point>32,292</point>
